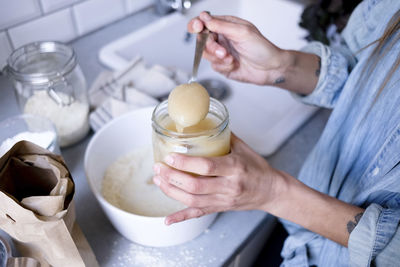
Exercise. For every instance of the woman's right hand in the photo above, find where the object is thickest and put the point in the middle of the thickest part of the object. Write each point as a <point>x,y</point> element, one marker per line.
<point>238,50</point>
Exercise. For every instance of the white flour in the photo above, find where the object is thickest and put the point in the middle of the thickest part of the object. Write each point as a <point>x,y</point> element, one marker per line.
<point>70,121</point>
<point>177,256</point>
<point>43,139</point>
<point>126,185</point>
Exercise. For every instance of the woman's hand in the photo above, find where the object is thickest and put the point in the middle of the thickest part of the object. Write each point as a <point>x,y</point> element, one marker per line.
<point>243,180</point>
<point>238,50</point>
<point>238,181</point>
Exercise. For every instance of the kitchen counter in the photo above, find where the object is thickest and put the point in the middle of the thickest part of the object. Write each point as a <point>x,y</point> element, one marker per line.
<point>227,236</point>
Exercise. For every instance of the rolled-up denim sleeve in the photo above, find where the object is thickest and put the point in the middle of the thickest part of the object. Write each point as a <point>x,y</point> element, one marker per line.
<point>336,64</point>
<point>376,238</point>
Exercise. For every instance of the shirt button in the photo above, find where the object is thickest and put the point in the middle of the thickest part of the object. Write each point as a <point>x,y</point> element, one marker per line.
<point>375,171</point>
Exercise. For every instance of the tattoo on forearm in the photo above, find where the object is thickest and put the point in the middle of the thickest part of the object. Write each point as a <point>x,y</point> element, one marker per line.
<point>318,71</point>
<point>280,80</point>
<point>352,224</point>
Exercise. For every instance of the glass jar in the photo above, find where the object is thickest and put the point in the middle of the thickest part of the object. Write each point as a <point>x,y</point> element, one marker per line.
<point>48,82</point>
<point>215,141</point>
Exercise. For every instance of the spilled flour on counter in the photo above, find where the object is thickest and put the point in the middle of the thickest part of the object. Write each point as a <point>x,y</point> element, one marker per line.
<point>126,185</point>
<point>176,256</point>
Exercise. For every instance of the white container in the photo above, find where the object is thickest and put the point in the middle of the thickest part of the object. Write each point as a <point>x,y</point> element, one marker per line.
<point>120,136</point>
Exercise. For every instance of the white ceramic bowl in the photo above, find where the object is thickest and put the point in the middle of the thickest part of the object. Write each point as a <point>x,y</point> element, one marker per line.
<point>120,136</point>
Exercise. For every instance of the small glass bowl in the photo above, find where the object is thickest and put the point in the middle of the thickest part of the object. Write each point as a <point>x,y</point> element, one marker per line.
<point>33,128</point>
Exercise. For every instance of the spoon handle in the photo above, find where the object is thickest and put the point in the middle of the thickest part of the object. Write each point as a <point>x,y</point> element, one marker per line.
<point>200,43</point>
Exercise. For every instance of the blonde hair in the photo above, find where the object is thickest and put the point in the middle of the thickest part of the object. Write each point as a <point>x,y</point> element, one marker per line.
<point>385,43</point>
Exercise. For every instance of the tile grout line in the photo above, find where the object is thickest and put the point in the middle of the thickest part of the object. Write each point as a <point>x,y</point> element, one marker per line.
<point>126,9</point>
<point>41,7</point>
<point>23,21</point>
<point>10,40</point>
<point>33,19</point>
<point>127,6</point>
<point>74,22</point>
<point>72,15</point>
<point>122,16</point>
<point>43,14</point>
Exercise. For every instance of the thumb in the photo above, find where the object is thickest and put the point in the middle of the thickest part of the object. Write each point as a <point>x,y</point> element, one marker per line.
<point>236,142</point>
<point>230,28</point>
<point>195,25</point>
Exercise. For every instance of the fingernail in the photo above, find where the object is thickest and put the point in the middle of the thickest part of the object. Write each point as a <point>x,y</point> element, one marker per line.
<point>157,180</point>
<point>169,160</point>
<point>168,221</point>
<point>205,16</point>
<point>220,53</point>
<point>156,168</point>
<point>197,26</point>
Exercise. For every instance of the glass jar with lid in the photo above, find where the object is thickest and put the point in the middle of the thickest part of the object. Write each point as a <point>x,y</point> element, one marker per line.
<point>49,82</point>
<point>208,139</point>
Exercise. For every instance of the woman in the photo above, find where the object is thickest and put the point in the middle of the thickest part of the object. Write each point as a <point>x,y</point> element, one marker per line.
<point>345,205</point>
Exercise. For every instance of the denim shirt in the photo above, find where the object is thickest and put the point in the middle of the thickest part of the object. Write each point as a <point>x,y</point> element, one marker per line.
<point>357,158</point>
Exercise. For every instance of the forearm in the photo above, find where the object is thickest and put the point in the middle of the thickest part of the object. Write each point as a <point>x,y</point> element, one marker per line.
<point>299,72</point>
<point>317,212</point>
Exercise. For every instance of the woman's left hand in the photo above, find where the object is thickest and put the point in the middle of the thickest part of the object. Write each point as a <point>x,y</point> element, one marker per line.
<point>237,181</point>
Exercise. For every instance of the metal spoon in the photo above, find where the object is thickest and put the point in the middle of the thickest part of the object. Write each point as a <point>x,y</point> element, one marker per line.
<point>200,44</point>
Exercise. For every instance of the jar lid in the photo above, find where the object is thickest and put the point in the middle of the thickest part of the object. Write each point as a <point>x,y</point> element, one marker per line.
<point>41,62</point>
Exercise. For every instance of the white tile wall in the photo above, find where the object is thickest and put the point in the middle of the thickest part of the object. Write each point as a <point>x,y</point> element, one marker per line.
<point>57,26</point>
<point>93,14</point>
<point>136,5</point>
<point>16,11</point>
<point>5,49</point>
<point>51,5</point>
<point>25,21</point>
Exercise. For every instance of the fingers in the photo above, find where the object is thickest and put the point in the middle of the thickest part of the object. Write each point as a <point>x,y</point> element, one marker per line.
<point>195,25</point>
<point>189,183</point>
<point>222,166</point>
<point>219,57</point>
<point>223,66</point>
<point>232,28</point>
<point>217,49</point>
<point>233,19</point>
<point>188,199</point>
<point>226,25</point>
<point>214,48</point>
<point>187,214</point>
<point>206,166</point>
<point>224,69</point>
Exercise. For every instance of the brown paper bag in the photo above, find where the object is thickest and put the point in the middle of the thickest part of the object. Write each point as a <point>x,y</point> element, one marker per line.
<point>37,209</point>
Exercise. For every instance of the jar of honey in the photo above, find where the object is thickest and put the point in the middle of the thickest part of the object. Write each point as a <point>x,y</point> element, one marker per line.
<point>209,138</point>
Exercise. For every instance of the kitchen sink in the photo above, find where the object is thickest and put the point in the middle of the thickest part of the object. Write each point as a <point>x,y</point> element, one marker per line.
<point>263,116</point>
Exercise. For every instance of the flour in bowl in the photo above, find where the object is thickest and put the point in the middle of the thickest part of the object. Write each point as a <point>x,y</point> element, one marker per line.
<point>126,185</point>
